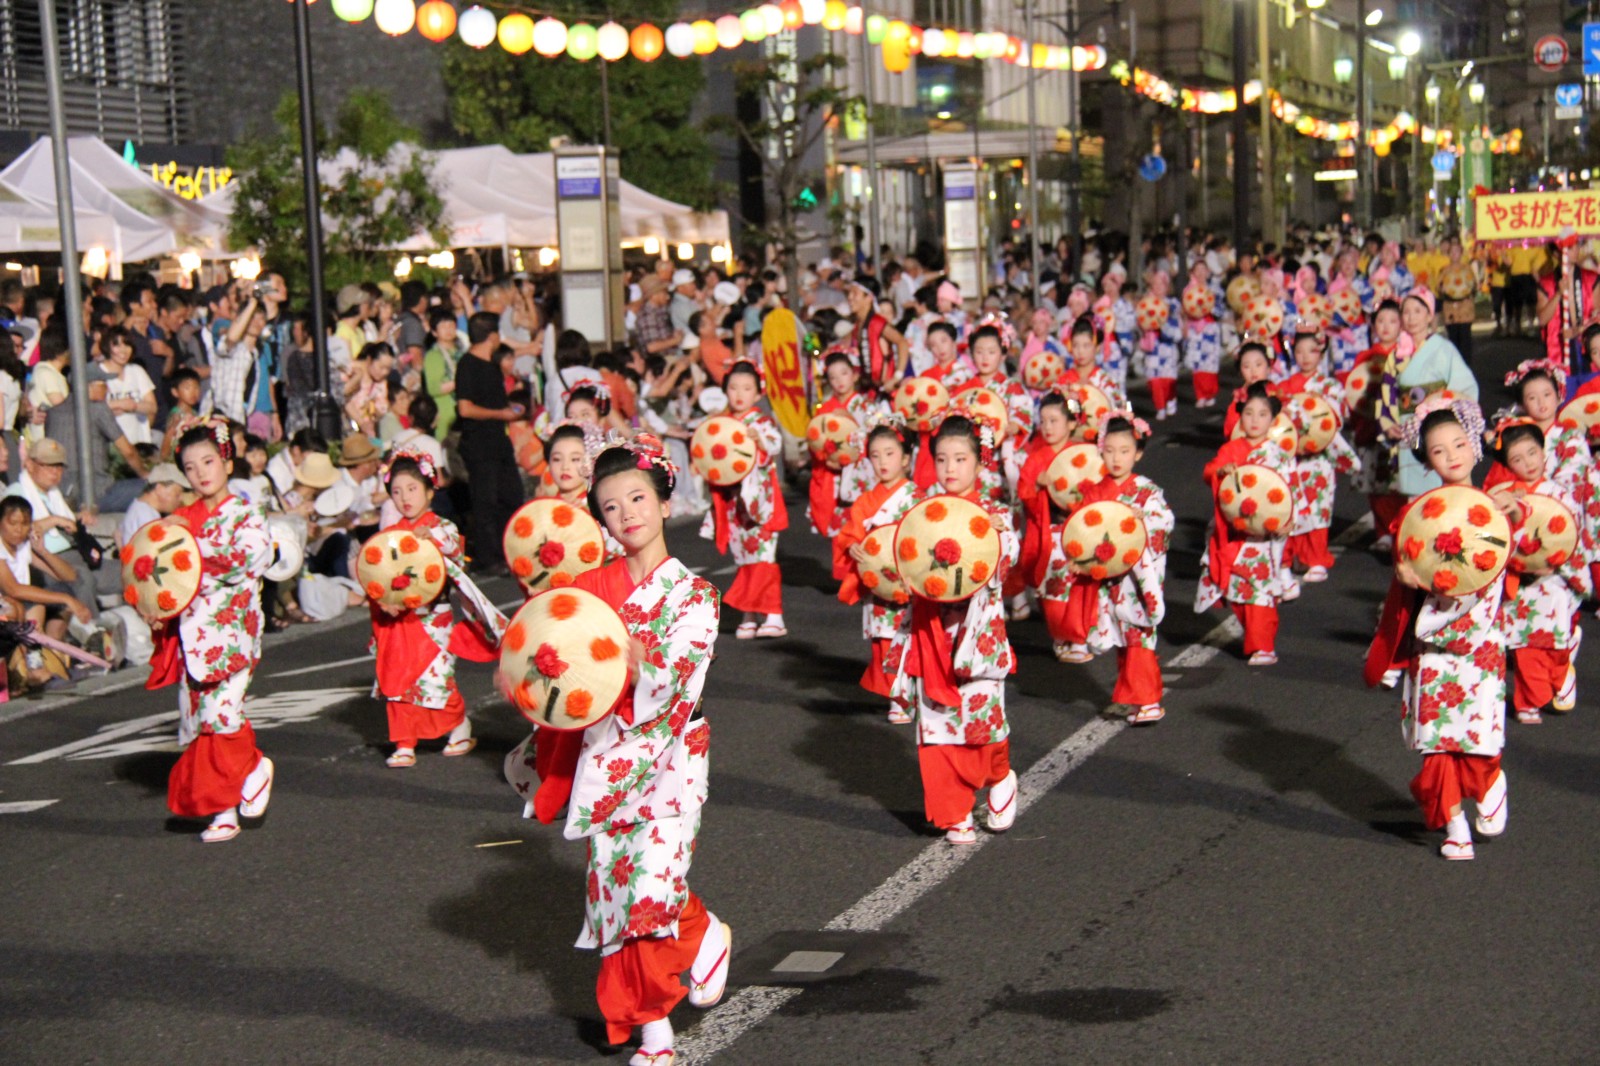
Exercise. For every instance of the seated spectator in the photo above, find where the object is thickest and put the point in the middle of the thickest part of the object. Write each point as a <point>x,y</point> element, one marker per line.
<point>21,550</point>
<point>124,386</point>
<point>163,493</point>
<point>366,394</point>
<point>398,418</point>
<point>47,384</point>
<point>359,460</point>
<point>57,524</point>
<point>281,467</point>
<point>250,472</point>
<point>421,435</point>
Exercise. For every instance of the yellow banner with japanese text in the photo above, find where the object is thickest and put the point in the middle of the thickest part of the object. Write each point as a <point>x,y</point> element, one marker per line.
<point>1531,216</point>
<point>786,383</point>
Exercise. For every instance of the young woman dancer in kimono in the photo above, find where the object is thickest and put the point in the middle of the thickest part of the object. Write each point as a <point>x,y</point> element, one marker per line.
<point>1123,612</point>
<point>416,648</point>
<point>1041,518</point>
<point>1243,569</point>
<point>953,674</point>
<point>1540,613</point>
<point>885,625</point>
<point>1255,364</point>
<point>212,648</point>
<point>1313,482</point>
<point>833,491</point>
<point>1452,653</point>
<point>641,774</point>
<point>748,516</point>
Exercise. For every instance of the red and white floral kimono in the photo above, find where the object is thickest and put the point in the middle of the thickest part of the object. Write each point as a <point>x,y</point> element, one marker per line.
<point>832,491</point>
<point>1099,379</point>
<point>1123,613</point>
<point>1453,653</point>
<point>211,650</point>
<point>639,784</point>
<point>1569,462</point>
<point>747,518</point>
<point>1244,570</point>
<point>1540,618</point>
<point>1039,517</point>
<point>1019,427</point>
<point>886,626</point>
<point>953,677</point>
<point>952,376</point>
<point>416,650</point>
<point>1313,479</point>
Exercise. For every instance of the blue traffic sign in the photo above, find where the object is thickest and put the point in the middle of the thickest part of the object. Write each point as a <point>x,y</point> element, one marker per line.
<point>1569,95</point>
<point>1591,49</point>
<point>1152,168</point>
<point>1444,162</point>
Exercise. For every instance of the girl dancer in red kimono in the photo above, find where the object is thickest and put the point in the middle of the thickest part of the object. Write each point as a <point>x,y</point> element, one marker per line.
<point>1058,418</point>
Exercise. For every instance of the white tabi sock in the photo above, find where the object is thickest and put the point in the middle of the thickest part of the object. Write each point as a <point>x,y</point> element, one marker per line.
<point>656,1035</point>
<point>1457,830</point>
<point>461,732</point>
<point>255,779</point>
<point>775,620</point>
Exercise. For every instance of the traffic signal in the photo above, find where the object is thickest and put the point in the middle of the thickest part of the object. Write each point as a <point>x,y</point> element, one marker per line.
<point>805,199</point>
<point>1516,22</point>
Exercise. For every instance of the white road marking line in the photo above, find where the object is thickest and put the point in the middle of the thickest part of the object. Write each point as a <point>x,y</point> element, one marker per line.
<point>752,1005</point>
<point>106,733</point>
<point>25,806</point>
<point>322,666</point>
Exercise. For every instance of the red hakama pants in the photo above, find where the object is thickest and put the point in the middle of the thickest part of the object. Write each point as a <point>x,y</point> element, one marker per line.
<point>881,670</point>
<point>1205,385</point>
<point>409,723</point>
<point>1308,549</point>
<point>1138,677</point>
<point>1537,674</point>
<point>1260,626</point>
<point>639,982</point>
<point>757,588</point>
<point>953,773</point>
<point>1386,508</point>
<point>1163,391</point>
<point>209,775</point>
<point>1446,777</point>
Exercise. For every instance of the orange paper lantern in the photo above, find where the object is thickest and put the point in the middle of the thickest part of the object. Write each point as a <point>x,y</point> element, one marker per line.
<point>646,42</point>
<point>436,20</point>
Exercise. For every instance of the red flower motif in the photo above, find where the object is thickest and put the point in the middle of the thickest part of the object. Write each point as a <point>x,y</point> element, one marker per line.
<point>1485,561</point>
<point>698,740</point>
<point>947,552</point>
<point>1452,694</point>
<point>976,733</point>
<point>1448,542</point>
<point>548,661</point>
<point>551,553</point>
<point>617,769</point>
<point>622,871</point>
<point>144,567</point>
<point>605,806</point>
<point>401,582</point>
<point>1104,551</point>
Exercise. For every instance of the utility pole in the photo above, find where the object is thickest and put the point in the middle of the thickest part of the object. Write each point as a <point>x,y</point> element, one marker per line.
<point>1033,159</point>
<point>71,283</point>
<point>1241,136</point>
<point>1269,189</point>
<point>872,149</point>
<point>1363,149</point>
<point>1074,122</point>
<point>326,413</point>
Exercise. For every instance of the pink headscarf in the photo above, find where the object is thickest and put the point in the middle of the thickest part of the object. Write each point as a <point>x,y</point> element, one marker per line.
<point>1423,296</point>
<point>1305,283</point>
<point>947,291</point>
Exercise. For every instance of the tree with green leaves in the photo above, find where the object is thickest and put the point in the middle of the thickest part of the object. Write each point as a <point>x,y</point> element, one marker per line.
<point>380,196</point>
<point>795,101</point>
<point>525,101</point>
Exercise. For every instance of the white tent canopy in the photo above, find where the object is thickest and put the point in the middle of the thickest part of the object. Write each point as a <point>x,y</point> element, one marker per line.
<point>495,198</point>
<point>146,219</point>
<point>29,226</point>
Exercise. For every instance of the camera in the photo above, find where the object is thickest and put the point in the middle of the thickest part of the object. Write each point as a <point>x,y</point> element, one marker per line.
<point>264,287</point>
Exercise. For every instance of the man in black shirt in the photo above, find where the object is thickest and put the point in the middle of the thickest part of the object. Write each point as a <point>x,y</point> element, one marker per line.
<point>484,410</point>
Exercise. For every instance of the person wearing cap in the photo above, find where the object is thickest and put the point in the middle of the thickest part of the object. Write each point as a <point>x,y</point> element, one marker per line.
<point>163,493</point>
<point>350,304</point>
<point>359,460</point>
<point>653,331</point>
<point>685,298</point>
<point>881,352</point>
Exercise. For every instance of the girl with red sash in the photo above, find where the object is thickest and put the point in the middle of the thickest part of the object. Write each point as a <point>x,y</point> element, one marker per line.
<point>885,625</point>
<point>639,782</point>
<point>1123,612</point>
<point>1452,653</point>
<point>833,491</point>
<point>1083,348</point>
<point>748,516</point>
<point>1540,614</point>
<point>881,351</point>
<point>1242,569</point>
<point>1254,365</point>
<point>953,674</point>
<point>1040,558</point>
<point>416,649</point>
<point>988,348</point>
<point>212,648</point>
<point>951,368</point>
<point>1375,447</point>
<point>1313,482</point>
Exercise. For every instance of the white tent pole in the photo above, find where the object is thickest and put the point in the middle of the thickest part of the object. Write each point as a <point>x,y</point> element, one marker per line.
<point>71,284</point>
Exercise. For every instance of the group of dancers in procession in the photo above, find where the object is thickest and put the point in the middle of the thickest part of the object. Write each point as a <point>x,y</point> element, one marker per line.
<point>955,505</point>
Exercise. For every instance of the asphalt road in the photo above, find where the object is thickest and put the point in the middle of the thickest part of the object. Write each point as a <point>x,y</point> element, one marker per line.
<point>1248,881</point>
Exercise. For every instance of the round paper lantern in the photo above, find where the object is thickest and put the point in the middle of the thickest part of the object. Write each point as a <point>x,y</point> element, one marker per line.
<point>896,54</point>
<point>549,37</point>
<point>612,41</point>
<point>877,26</point>
<point>476,27</point>
<point>680,39</point>
<point>645,42</point>
<point>583,42</point>
<point>705,36</point>
<point>730,34</point>
<point>933,42</point>
<point>516,33</point>
<point>395,17</point>
<point>352,10</point>
<point>772,18</point>
<point>793,17</point>
<point>914,41</point>
<point>436,20</point>
<point>753,26</point>
<point>811,11</point>
<point>833,15</point>
<point>852,19</point>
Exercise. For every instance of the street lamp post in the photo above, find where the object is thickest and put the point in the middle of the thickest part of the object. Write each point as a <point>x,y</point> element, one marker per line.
<point>325,410</point>
<point>1033,163</point>
<point>1363,148</point>
<point>1241,136</point>
<point>1430,93</point>
<point>1269,191</point>
<point>1410,44</point>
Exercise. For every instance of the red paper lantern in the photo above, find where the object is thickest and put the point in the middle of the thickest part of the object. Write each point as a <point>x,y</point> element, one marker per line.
<point>793,16</point>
